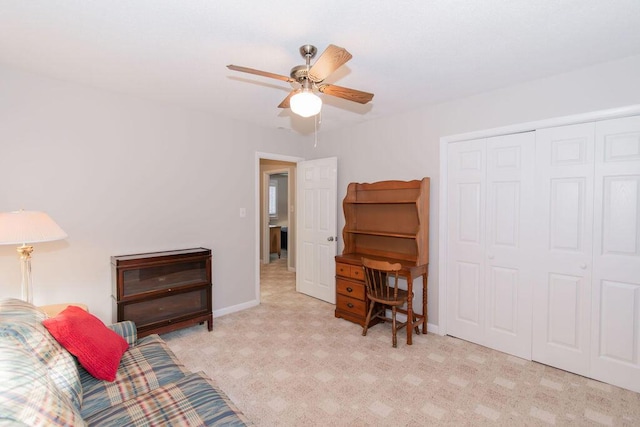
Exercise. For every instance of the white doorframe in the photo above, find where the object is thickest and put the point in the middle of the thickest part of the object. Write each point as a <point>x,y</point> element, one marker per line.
<point>257,207</point>
<point>443,199</point>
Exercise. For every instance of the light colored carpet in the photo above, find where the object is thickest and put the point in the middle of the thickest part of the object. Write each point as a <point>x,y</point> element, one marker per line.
<point>290,362</point>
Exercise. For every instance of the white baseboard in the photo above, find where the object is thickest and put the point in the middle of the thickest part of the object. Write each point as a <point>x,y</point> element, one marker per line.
<point>235,308</point>
<point>432,329</point>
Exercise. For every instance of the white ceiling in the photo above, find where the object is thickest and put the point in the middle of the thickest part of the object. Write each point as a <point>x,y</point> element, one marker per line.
<point>409,53</point>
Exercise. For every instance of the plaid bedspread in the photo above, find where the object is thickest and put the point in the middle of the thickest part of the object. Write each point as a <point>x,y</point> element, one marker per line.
<point>192,401</point>
<point>41,384</point>
<point>143,368</point>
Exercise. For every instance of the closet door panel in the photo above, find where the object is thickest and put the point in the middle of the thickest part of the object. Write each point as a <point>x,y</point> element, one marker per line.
<point>466,188</point>
<point>467,303</point>
<point>563,263</point>
<point>566,212</point>
<point>616,270</point>
<point>509,207</point>
<point>503,300</point>
<point>563,311</point>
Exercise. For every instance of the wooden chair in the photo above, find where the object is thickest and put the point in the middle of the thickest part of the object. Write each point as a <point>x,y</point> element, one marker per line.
<point>381,279</point>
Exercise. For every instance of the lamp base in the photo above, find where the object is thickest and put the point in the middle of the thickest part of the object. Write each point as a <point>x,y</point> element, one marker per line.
<point>25,263</point>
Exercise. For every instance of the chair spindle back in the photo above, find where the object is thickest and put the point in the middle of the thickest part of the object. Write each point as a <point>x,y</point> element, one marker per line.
<point>381,278</point>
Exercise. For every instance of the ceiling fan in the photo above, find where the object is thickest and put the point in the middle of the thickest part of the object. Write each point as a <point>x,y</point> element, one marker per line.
<point>303,101</point>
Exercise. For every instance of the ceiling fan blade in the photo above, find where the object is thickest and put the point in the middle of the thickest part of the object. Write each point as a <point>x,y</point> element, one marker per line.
<point>346,93</point>
<point>260,73</point>
<point>331,59</point>
<point>285,102</point>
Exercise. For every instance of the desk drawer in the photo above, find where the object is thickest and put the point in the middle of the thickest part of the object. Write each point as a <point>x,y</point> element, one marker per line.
<point>351,305</point>
<point>356,272</point>
<point>352,271</point>
<point>350,288</point>
<point>343,269</point>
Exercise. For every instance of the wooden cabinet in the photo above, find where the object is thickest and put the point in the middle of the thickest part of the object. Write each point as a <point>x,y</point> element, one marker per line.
<point>386,220</point>
<point>163,291</point>
<point>274,239</point>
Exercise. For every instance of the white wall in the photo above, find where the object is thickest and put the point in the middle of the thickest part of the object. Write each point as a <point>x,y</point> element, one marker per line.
<point>122,175</point>
<point>406,146</point>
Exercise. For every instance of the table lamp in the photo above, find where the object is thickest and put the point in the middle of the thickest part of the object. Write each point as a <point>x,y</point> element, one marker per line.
<point>25,227</point>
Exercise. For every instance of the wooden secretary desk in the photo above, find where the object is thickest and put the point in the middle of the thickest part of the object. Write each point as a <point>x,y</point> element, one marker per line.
<point>386,220</point>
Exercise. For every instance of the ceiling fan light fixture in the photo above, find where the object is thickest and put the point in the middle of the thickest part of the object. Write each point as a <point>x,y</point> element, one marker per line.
<point>305,103</point>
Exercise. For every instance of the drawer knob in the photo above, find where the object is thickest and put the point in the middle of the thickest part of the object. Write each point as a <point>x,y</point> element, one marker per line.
<point>349,289</point>
<point>349,305</point>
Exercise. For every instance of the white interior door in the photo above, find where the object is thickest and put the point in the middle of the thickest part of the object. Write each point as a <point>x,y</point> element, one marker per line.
<point>317,222</point>
<point>615,346</point>
<point>489,247</point>
<point>562,291</point>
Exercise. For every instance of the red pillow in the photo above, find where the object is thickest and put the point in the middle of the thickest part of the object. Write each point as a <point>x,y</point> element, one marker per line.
<point>98,348</point>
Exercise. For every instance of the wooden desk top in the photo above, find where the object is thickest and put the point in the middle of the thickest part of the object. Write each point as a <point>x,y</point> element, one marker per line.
<point>408,267</point>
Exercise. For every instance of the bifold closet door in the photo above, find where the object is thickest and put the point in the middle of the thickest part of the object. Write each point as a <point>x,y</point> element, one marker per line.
<point>489,241</point>
<point>615,341</point>
<point>586,297</point>
<point>562,288</point>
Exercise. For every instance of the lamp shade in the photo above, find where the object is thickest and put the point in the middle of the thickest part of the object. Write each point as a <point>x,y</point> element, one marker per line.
<point>22,227</point>
<point>305,103</point>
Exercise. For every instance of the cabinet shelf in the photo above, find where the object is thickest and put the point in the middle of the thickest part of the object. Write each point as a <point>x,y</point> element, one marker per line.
<point>382,233</point>
<point>388,219</point>
<point>380,202</point>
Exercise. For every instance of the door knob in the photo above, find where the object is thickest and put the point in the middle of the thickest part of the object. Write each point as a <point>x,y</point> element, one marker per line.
<point>491,256</point>
<point>583,266</point>
<point>330,238</point>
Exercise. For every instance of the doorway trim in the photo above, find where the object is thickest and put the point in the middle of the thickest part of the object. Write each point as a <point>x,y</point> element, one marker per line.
<point>257,208</point>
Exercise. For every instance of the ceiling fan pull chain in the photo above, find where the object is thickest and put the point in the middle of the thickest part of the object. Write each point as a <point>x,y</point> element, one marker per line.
<point>315,125</point>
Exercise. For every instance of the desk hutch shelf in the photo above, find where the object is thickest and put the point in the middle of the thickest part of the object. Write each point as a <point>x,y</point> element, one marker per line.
<point>386,220</point>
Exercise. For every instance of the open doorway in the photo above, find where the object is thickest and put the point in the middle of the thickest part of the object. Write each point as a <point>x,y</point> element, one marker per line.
<point>277,211</point>
<point>275,221</point>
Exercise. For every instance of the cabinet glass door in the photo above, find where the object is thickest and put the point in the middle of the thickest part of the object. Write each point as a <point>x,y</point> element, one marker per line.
<point>149,279</point>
